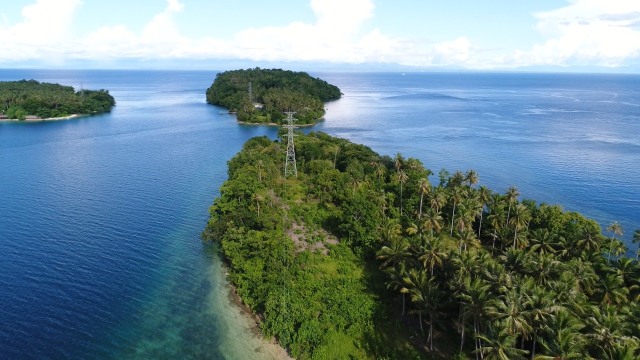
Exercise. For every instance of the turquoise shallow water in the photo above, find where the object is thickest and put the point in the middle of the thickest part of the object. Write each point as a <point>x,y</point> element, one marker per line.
<point>100,217</point>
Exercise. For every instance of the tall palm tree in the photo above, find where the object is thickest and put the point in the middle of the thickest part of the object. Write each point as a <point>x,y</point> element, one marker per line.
<point>456,195</point>
<point>438,198</point>
<point>511,197</point>
<point>423,187</point>
<point>616,229</point>
<point>471,177</point>
<point>542,241</point>
<point>521,216</point>
<point>398,162</point>
<point>402,179</point>
<point>636,240</point>
<point>484,195</point>
<point>432,221</point>
<point>474,297</point>
<point>390,230</point>
<point>612,289</point>
<point>456,179</point>
<point>499,344</point>
<point>563,340</point>
<point>511,310</point>
<point>258,198</point>
<point>432,253</point>
<point>606,328</point>
<point>427,297</point>
<point>589,242</point>
<point>393,254</point>
<point>396,281</point>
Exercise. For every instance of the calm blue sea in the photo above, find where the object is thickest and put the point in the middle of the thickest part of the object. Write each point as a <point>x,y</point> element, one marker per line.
<point>100,217</point>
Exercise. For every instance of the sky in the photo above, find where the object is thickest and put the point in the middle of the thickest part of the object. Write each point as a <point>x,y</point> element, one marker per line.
<point>503,35</point>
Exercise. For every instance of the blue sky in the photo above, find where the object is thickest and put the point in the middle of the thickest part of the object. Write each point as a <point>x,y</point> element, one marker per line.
<point>559,35</point>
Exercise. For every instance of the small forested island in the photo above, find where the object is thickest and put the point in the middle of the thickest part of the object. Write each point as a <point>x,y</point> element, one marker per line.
<point>362,256</point>
<point>33,100</point>
<point>261,96</point>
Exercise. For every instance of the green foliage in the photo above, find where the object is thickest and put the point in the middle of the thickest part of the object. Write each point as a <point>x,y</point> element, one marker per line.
<point>275,90</point>
<point>361,256</point>
<point>45,100</point>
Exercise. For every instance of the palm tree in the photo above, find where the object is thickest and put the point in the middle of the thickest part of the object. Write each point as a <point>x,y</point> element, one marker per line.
<point>402,178</point>
<point>589,243</point>
<point>563,340</point>
<point>474,297</point>
<point>616,229</point>
<point>398,161</point>
<point>511,310</point>
<point>636,240</point>
<point>542,242</point>
<point>390,230</point>
<point>423,187</point>
<point>333,150</point>
<point>260,166</point>
<point>543,306</point>
<point>394,254</point>
<point>258,198</point>
<point>499,344</point>
<point>432,253</point>
<point>438,198</point>
<point>612,289</point>
<point>426,296</point>
<point>432,221</point>
<point>457,194</point>
<point>379,171</point>
<point>471,177</point>
<point>606,328</point>
<point>396,281</point>
<point>521,216</point>
<point>511,196</point>
<point>483,196</point>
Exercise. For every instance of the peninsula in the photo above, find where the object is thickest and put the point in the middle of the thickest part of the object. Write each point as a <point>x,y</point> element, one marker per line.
<point>33,100</point>
<point>261,96</point>
<point>363,256</point>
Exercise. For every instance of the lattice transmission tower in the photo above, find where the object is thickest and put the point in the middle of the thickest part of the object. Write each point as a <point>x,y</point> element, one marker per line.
<point>290,163</point>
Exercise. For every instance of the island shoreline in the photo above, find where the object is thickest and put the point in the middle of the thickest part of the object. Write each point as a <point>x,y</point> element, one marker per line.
<point>68,117</point>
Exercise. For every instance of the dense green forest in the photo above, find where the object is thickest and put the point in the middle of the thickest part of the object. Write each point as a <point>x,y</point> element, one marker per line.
<point>263,95</point>
<point>368,256</point>
<point>46,100</point>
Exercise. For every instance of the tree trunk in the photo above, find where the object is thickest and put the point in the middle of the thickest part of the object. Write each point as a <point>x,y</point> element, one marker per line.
<point>453,216</point>
<point>462,336</point>
<point>430,332</point>
<point>533,350</point>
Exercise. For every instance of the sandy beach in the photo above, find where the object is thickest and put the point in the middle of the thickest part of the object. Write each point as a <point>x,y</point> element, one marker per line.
<point>68,117</point>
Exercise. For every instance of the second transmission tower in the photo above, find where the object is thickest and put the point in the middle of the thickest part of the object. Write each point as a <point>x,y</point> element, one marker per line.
<point>290,162</point>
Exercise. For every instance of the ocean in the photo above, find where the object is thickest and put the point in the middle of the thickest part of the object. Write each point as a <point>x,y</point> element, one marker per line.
<point>100,217</point>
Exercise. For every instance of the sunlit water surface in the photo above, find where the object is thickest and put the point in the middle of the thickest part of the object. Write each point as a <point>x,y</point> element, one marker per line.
<point>100,217</point>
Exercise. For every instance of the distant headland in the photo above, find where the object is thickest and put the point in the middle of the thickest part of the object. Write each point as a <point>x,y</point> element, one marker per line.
<point>261,96</point>
<point>30,100</point>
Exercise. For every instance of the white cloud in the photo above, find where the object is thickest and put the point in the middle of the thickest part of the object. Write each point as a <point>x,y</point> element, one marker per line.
<point>586,32</point>
<point>340,33</point>
<point>44,25</point>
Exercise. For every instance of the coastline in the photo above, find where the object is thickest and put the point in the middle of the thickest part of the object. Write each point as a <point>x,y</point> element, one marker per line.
<point>242,337</point>
<point>68,117</point>
<point>273,124</point>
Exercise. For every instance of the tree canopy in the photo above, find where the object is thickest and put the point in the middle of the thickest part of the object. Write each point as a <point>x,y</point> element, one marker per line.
<point>364,256</point>
<point>263,95</point>
<point>19,99</point>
